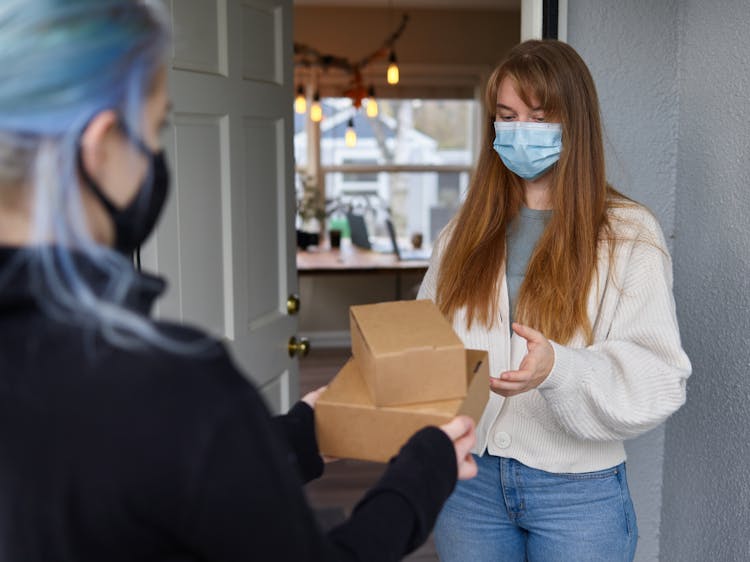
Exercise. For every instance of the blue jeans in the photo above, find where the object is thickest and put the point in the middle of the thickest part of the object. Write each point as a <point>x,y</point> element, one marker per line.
<point>513,513</point>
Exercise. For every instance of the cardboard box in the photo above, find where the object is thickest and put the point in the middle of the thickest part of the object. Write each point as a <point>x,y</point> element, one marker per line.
<point>349,425</point>
<point>407,349</point>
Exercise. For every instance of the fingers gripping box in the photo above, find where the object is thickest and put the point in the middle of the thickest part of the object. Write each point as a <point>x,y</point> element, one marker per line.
<point>407,352</point>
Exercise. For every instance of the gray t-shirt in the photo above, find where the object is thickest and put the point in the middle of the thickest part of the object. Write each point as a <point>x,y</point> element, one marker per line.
<point>521,238</point>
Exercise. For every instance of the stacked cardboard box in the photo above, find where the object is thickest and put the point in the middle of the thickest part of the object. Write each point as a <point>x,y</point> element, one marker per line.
<point>409,370</point>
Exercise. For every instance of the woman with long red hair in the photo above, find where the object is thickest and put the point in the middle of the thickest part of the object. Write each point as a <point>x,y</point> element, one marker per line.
<point>568,284</point>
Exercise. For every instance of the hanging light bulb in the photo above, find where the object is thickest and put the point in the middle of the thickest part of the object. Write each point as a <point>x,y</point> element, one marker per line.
<point>300,102</point>
<point>392,73</point>
<point>372,105</point>
<point>350,138</point>
<point>316,111</point>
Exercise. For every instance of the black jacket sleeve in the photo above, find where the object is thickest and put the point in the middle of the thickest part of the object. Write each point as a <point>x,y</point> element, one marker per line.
<point>405,502</point>
<point>298,429</point>
<point>248,503</point>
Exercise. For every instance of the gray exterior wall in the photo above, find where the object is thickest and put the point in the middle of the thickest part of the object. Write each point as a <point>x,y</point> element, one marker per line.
<point>706,506</point>
<point>674,82</point>
<point>631,50</point>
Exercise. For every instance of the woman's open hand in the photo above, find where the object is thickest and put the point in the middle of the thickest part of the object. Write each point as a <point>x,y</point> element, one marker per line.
<point>534,368</point>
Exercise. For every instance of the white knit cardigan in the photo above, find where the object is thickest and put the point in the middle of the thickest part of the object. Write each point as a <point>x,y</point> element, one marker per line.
<point>629,381</point>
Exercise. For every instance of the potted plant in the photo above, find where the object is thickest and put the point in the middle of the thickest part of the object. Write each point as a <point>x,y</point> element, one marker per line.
<point>311,205</point>
<point>311,212</point>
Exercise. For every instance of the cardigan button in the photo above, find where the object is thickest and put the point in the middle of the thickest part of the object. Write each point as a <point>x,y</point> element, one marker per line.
<point>502,440</point>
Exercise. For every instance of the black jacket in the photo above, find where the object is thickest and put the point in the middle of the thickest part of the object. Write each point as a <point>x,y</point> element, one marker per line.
<point>110,455</point>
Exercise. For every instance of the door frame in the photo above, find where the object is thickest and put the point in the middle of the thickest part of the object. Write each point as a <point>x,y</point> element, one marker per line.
<point>544,19</point>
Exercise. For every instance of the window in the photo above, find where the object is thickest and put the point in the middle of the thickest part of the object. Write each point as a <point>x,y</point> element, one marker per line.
<point>370,177</point>
<point>410,163</point>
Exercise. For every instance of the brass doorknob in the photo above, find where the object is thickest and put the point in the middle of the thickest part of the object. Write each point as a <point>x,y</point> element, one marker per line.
<point>292,304</point>
<point>299,347</point>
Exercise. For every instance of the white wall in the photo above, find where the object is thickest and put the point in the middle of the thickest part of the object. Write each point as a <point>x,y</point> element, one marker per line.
<point>631,50</point>
<point>706,514</point>
<point>674,79</point>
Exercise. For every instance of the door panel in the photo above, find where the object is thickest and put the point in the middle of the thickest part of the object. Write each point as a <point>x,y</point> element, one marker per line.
<point>200,35</point>
<point>261,138</point>
<point>277,391</point>
<point>198,150</point>
<point>226,241</point>
<point>262,32</point>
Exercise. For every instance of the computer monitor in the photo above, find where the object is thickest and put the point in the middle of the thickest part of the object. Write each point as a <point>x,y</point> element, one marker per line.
<point>358,231</point>
<point>405,255</point>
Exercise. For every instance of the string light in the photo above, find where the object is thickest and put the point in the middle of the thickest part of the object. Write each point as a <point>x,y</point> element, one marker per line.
<point>350,138</point>
<point>311,59</point>
<point>372,105</point>
<point>392,73</point>
<point>316,110</point>
<point>300,102</point>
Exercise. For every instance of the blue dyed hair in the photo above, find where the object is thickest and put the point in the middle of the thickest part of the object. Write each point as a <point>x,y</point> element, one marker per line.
<point>61,63</point>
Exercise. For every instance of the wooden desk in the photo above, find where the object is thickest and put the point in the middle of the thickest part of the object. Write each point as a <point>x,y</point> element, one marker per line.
<point>350,260</point>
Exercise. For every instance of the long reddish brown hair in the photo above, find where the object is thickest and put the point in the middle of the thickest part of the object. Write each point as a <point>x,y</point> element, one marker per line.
<point>553,296</point>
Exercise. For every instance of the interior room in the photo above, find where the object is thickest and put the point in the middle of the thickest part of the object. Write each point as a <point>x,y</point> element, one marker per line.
<point>429,120</point>
<point>657,67</point>
<point>415,176</point>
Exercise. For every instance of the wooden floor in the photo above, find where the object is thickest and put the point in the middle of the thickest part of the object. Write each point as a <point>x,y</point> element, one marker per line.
<point>344,482</point>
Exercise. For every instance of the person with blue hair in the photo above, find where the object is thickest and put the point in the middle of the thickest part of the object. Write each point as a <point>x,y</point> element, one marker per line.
<point>123,438</point>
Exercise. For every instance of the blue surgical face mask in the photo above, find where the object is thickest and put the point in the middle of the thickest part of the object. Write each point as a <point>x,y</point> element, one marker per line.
<point>528,149</point>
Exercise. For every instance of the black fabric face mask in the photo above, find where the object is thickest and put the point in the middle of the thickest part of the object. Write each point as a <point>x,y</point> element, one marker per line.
<point>134,222</point>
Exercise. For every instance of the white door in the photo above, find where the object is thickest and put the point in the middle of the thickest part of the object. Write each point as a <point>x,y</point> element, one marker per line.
<point>225,243</point>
